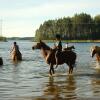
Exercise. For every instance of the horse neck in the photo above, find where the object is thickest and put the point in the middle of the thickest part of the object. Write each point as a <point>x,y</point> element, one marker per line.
<point>45,52</point>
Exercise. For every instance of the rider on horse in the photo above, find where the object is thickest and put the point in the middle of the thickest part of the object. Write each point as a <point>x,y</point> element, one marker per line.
<point>58,47</point>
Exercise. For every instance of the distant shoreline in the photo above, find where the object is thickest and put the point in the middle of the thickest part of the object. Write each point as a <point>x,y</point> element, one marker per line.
<point>76,41</point>
<point>65,41</point>
<point>3,39</point>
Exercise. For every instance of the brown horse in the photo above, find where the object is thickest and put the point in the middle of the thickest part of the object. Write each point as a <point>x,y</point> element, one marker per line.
<point>95,50</point>
<point>68,57</point>
<point>16,56</point>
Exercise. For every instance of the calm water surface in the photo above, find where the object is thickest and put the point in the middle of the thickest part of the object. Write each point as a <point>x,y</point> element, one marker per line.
<point>29,79</point>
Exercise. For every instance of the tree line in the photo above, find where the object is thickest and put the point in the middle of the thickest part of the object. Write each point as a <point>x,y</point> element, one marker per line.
<point>79,27</point>
<point>3,38</point>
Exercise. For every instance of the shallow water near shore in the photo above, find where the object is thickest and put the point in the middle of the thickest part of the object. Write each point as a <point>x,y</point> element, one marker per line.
<point>30,80</point>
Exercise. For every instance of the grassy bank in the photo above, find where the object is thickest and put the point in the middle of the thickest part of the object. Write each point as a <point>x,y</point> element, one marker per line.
<point>81,41</point>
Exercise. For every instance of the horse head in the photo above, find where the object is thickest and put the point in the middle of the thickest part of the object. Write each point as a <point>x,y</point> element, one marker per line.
<point>69,48</point>
<point>73,47</point>
<point>93,51</point>
<point>37,46</point>
<point>40,45</point>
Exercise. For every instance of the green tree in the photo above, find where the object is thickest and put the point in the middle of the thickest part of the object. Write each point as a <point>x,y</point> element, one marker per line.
<point>82,25</point>
<point>96,34</point>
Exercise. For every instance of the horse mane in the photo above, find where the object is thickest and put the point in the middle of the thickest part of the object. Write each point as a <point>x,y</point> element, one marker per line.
<point>97,48</point>
<point>46,47</point>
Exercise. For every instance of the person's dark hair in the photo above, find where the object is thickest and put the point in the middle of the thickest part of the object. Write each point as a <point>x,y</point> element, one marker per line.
<point>14,42</point>
<point>58,36</point>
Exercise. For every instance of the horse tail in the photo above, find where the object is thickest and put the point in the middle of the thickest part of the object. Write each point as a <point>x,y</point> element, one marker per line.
<point>74,61</point>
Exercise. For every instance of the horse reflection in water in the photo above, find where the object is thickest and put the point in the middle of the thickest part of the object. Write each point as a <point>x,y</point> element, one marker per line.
<point>95,82</point>
<point>61,90</point>
<point>52,89</point>
<point>66,56</point>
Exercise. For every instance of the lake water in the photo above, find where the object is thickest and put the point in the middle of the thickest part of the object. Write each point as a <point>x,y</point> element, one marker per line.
<point>29,79</point>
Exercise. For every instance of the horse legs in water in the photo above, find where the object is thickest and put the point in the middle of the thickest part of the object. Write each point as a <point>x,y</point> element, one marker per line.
<point>70,69</point>
<point>51,69</point>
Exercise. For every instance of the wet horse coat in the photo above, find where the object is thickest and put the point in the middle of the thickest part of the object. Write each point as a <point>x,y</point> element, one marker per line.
<point>16,56</point>
<point>95,50</point>
<point>68,57</point>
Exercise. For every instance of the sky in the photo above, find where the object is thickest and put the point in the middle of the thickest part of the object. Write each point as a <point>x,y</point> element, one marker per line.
<point>21,18</point>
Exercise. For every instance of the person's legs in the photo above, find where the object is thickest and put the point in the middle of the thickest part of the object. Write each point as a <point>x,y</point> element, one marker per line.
<point>56,57</point>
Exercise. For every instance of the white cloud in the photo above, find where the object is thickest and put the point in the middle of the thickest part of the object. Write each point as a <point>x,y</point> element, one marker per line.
<point>48,9</point>
<point>27,19</point>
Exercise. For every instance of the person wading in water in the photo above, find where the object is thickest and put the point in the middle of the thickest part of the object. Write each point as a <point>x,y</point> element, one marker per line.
<point>15,50</point>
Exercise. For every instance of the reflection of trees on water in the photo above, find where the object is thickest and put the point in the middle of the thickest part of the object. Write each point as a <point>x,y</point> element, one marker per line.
<point>61,89</point>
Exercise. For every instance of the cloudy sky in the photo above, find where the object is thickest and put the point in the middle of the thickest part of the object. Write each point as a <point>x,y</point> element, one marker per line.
<point>22,17</point>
